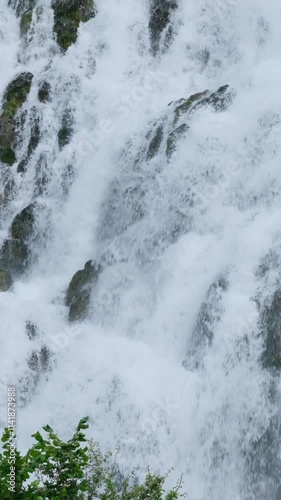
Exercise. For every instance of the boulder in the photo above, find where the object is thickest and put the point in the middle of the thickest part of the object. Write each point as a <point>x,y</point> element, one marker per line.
<point>79,291</point>
<point>68,14</point>
<point>16,94</point>
<point>160,16</point>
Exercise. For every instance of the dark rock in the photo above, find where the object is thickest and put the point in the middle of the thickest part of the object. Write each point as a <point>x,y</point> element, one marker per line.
<point>7,138</point>
<point>32,144</point>
<point>79,291</point>
<point>174,137</point>
<point>185,105</point>
<point>271,331</point>
<point>31,330</point>
<point>155,143</point>
<point>7,156</point>
<point>160,16</point>
<point>5,279</point>
<point>16,94</point>
<point>25,22</point>
<point>44,92</point>
<point>15,251</point>
<point>21,6</point>
<point>66,130</point>
<point>68,14</point>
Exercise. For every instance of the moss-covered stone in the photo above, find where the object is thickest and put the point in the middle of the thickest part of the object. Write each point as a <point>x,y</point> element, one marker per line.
<point>16,94</point>
<point>66,131</point>
<point>174,137</point>
<point>25,22</point>
<point>68,14</point>
<point>79,291</point>
<point>160,17</point>
<point>15,252</point>
<point>186,104</point>
<point>5,279</point>
<point>271,330</point>
<point>7,137</point>
<point>155,143</point>
<point>44,92</point>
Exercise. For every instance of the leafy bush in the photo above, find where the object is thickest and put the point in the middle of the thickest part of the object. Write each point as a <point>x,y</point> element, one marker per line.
<point>54,470</point>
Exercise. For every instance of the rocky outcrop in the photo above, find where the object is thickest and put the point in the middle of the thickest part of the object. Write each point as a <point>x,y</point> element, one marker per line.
<point>21,6</point>
<point>14,97</point>
<point>5,278</point>
<point>66,131</point>
<point>68,14</point>
<point>79,291</point>
<point>161,12</point>
<point>16,252</point>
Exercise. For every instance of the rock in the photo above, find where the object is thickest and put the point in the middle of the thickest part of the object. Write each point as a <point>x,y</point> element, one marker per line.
<point>16,94</point>
<point>25,22</point>
<point>271,330</point>
<point>32,145</point>
<point>66,130</point>
<point>155,143</point>
<point>21,6</point>
<point>15,251</point>
<point>44,92</point>
<point>5,279</point>
<point>39,360</point>
<point>160,16</point>
<point>68,14</point>
<point>208,316</point>
<point>185,105</point>
<point>174,137</point>
<point>79,291</point>
<point>7,138</point>
<point>31,330</point>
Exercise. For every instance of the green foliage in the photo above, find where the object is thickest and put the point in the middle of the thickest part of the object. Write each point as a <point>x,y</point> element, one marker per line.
<point>73,470</point>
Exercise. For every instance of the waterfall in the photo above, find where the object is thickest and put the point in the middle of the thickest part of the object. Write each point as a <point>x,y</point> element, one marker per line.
<point>140,233</point>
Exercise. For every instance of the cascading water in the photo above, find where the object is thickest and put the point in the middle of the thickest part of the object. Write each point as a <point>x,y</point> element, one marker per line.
<point>171,340</point>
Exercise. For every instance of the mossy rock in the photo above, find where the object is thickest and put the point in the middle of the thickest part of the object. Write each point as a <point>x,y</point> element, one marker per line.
<point>16,94</point>
<point>44,92</point>
<point>186,104</point>
<point>5,279</point>
<point>16,249</point>
<point>68,14</point>
<point>160,17</point>
<point>78,294</point>
<point>7,138</point>
<point>155,143</point>
<point>7,156</point>
<point>174,137</point>
<point>25,22</point>
<point>32,145</point>
<point>271,330</point>
<point>66,131</point>
<point>22,6</point>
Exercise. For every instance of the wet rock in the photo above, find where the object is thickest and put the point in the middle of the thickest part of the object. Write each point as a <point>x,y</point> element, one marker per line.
<point>31,330</point>
<point>25,22</point>
<point>271,331</point>
<point>155,143</point>
<point>21,6</point>
<point>68,14</point>
<point>160,17</point>
<point>39,360</point>
<point>16,249</point>
<point>209,315</point>
<point>66,130</point>
<point>7,138</point>
<point>16,94</point>
<point>5,278</point>
<point>34,139</point>
<point>184,105</point>
<point>174,137</point>
<point>79,291</point>
<point>44,92</point>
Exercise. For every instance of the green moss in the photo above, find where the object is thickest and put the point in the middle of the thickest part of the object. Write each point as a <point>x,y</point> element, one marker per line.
<point>16,94</point>
<point>7,156</point>
<point>44,92</point>
<point>25,22</point>
<point>155,143</point>
<point>186,104</point>
<point>78,294</point>
<point>174,137</point>
<point>5,280</point>
<point>68,14</point>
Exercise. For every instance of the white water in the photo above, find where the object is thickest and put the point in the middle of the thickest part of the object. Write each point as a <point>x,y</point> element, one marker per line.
<point>123,366</point>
